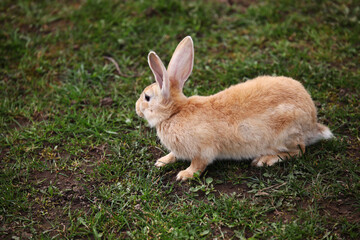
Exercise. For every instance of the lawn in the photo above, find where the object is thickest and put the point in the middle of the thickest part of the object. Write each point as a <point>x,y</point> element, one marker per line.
<point>78,163</point>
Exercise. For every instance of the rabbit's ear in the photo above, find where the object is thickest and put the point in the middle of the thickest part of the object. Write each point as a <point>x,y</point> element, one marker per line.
<point>181,63</point>
<point>159,71</point>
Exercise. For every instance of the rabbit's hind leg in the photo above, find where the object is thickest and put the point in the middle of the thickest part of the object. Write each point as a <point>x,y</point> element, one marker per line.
<point>269,160</point>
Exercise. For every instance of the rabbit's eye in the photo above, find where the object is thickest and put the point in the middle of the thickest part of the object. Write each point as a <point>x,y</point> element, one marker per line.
<point>147,98</point>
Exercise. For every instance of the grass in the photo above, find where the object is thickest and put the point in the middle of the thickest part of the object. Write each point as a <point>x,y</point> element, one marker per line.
<point>76,161</point>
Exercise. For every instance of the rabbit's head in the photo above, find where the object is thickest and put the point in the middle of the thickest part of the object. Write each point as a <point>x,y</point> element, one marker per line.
<point>163,98</point>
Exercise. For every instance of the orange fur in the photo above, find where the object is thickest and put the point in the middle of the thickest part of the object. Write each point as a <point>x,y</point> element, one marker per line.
<point>266,118</point>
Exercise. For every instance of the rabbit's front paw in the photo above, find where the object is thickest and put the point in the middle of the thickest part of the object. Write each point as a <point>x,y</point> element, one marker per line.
<point>159,163</point>
<point>165,160</point>
<point>184,174</point>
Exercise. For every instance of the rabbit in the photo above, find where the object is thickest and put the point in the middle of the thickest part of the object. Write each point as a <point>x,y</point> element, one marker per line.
<point>267,119</point>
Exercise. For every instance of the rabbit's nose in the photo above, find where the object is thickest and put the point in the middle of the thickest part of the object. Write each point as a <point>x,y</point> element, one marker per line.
<point>138,110</point>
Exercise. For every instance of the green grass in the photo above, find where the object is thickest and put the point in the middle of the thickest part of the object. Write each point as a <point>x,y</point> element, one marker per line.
<point>76,161</point>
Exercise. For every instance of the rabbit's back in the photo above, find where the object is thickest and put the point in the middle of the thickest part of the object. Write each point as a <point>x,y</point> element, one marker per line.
<point>262,94</point>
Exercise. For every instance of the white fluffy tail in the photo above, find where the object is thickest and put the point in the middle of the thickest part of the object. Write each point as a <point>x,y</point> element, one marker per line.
<point>323,132</point>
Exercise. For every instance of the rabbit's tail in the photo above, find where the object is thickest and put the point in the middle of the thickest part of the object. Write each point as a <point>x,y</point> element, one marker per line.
<point>321,132</point>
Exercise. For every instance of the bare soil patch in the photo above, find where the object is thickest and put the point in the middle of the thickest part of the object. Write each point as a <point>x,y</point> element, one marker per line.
<point>19,122</point>
<point>56,194</point>
<point>156,152</point>
<point>59,192</point>
<point>224,231</point>
<point>342,208</point>
<point>229,188</point>
<point>3,153</point>
<point>40,116</point>
<point>243,3</point>
<point>354,148</point>
<point>56,25</point>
